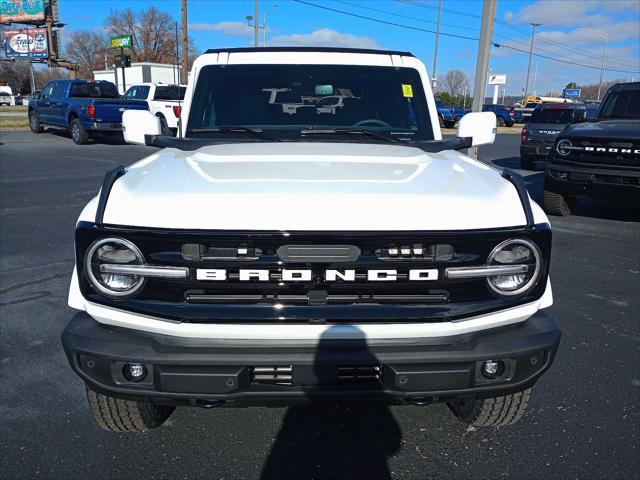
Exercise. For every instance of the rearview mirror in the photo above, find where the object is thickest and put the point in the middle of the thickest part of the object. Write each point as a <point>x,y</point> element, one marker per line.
<point>480,127</point>
<point>138,123</point>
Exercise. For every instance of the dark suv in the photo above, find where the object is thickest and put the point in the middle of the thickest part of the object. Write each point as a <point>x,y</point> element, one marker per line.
<point>599,158</point>
<point>546,122</point>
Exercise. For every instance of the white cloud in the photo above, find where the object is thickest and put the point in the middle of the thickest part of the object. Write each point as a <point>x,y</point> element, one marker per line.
<point>237,29</point>
<point>324,37</point>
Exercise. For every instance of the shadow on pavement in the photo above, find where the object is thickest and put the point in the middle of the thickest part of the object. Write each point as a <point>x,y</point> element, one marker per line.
<point>101,138</point>
<point>327,439</point>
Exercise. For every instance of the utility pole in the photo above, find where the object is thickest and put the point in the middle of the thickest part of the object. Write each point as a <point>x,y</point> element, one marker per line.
<point>264,24</point>
<point>255,23</point>
<point>184,77</point>
<point>533,34</point>
<point>482,62</point>
<point>435,53</point>
<point>535,79</point>
<point>604,54</point>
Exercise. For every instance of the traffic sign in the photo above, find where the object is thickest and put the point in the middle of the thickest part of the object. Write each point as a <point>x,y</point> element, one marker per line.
<point>122,41</point>
<point>571,92</point>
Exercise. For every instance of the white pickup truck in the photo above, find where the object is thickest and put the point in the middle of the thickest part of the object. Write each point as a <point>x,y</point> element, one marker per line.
<point>311,237</point>
<point>165,102</point>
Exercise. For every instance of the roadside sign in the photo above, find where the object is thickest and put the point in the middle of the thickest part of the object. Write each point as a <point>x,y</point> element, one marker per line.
<point>122,41</point>
<point>571,92</point>
<point>25,43</point>
<point>122,61</point>
<point>22,11</point>
<point>497,79</point>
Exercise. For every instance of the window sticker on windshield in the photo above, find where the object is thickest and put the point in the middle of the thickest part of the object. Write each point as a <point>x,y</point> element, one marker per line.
<point>407,91</point>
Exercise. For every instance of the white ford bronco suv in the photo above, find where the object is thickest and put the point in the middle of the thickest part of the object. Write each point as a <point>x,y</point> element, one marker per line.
<point>310,237</point>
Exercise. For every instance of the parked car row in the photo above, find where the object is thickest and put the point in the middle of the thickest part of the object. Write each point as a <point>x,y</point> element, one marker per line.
<point>589,148</point>
<point>87,107</point>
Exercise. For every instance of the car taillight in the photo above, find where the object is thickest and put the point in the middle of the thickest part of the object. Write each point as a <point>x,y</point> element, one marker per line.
<point>524,135</point>
<point>177,110</point>
<point>91,111</point>
<point>511,114</point>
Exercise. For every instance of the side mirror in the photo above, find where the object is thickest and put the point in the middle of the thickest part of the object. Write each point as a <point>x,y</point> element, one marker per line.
<point>480,127</point>
<point>138,123</point>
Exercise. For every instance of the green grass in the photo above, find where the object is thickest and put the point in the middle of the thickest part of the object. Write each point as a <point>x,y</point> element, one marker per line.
<point>13,108</point>
<point>6,123</point>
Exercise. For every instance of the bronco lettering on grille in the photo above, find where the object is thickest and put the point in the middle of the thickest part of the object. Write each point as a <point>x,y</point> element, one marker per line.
<point>306,275</point>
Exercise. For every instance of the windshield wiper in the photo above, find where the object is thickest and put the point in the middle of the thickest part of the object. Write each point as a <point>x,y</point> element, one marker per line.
<point>258,133</point>
<point>348,131</point>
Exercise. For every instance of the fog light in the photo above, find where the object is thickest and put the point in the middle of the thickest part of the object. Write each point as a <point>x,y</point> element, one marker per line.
<point>493,368</point>
<point>134,372</point>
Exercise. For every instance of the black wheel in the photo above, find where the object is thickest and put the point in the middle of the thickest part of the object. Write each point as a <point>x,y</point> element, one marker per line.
<point>164,128</point>
<point>34,122</point>
<point>450,124</point>
<point>510,123</point>
<point>558,204</point>
<point>492,412</point>
<point>441,120</point>
<point>527,163</point>
<point>117,415</point>
<point>78,134</point>
<point>500,121</point>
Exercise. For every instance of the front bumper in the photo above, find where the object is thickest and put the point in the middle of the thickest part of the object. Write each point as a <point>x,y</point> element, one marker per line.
<point>592,181</point>
<point>209,372</point>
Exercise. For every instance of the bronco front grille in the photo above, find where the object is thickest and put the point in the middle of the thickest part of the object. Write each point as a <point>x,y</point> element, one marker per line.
<point>606,153</point>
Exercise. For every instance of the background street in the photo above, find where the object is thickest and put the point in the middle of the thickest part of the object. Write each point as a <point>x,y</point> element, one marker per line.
<point>583,420</point>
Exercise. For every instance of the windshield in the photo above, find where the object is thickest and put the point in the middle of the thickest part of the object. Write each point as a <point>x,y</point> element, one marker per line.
<point>170,92</point>
<point>621,104</point>
<point>531,105</point>
<point>552,115</point>
<point>278,98</point>
<point>94,90</point>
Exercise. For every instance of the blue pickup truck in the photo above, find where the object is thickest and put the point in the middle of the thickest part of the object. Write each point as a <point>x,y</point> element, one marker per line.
<point>504,115</point>
<point>448,116</point>
<point>81,106</point>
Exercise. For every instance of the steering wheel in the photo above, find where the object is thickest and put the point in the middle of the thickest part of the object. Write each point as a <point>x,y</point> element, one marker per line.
<point>371,121</point>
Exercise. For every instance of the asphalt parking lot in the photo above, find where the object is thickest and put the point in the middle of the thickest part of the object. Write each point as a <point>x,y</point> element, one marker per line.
<point>583,420</point>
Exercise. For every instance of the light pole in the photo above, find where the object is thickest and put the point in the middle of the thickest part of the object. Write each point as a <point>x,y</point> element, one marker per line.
<point>264,24</point>
<point>435,53</point>
<point>604,54</point>
<point>533,34</point>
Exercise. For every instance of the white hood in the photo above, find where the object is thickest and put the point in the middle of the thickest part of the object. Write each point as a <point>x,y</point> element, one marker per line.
<point>313,186</point>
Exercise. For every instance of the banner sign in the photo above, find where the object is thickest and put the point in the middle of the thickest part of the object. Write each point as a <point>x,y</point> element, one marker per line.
<point>25,43</point>
<point>122,41</point>
<point>21,11</point>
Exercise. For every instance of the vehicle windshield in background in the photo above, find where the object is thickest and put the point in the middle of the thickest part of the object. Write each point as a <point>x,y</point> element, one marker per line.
<point>386,100</point>
<point>94,90</point>
<point>531,105</point>
<point>552,115</point>
<point>621,104</point>
<point>169,92</point>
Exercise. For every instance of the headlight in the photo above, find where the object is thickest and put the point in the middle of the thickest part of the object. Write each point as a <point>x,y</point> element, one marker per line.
<point>561,146</point>
<point>113,251</point>
<point>515,252</point>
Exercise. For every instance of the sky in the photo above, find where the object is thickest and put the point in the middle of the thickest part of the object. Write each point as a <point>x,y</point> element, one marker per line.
<point>572,31</point>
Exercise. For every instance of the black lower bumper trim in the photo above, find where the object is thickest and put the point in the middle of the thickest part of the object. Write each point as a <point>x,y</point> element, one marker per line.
<point>184,371</point>
<point>592,181</point>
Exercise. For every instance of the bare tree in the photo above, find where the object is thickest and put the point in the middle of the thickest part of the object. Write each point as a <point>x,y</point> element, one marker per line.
<point>453,82</point>
<point>153,32</point>
<point>87,49</point>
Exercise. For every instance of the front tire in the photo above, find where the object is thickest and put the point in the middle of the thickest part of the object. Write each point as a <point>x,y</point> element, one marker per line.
<point>118,415</point>
<point>449,124</point>
<point>558,204</point>
<point>78,134</point>
<point>492,412</point>
<point>34,123</point>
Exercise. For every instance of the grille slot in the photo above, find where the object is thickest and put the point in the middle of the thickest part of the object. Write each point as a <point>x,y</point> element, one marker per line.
<point>359,373</point>
<point>276,375</point>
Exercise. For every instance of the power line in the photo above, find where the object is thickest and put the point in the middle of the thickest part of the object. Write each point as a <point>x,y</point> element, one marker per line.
<point>497,45</point>
<point>517,29</point>
<point>417,19</point>
<point>383,21</point>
